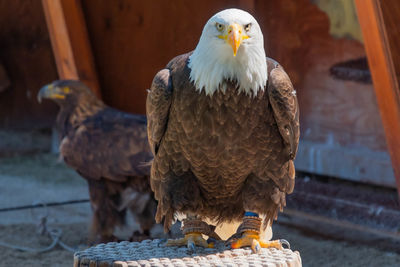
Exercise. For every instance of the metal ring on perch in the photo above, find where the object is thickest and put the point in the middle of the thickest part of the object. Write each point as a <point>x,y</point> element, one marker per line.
<point>151,253</point>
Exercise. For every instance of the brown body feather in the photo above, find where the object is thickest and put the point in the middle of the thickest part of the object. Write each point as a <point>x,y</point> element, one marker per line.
<point>217,156</point>
<point>109,149</point>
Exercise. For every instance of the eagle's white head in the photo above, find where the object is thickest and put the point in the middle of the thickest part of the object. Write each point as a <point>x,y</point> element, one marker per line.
<point>231,47</point>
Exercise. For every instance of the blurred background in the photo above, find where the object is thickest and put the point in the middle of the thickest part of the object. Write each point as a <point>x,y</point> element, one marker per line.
<point>345,207</point>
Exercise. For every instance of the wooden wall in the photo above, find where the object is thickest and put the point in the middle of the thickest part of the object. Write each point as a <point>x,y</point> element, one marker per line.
<point>25,53</point>
<point>132,40</point>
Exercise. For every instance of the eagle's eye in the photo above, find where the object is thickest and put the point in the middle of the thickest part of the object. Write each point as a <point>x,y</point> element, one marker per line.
<point>66,90</point>
<point>219,26</point>
<point>247,27</point>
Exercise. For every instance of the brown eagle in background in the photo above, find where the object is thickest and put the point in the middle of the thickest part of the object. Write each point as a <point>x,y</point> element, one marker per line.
<point>109,148</point>
<point>223,124</point>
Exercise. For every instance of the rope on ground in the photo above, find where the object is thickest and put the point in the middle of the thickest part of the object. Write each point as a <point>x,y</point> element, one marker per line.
<point>49,204</point>
<point>54,233</point>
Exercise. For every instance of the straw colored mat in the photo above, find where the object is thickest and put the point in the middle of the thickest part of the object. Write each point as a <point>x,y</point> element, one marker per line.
<point>154,253</point>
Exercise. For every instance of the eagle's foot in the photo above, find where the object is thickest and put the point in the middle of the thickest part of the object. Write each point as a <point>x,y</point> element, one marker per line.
<point>248,235</point>
<point>193,228</point>
<point>191,240</point>
<point>252,239</point>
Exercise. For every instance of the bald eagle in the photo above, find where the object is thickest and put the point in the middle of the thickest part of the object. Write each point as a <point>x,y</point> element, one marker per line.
<point>107,147</point>
<point>223,125</point>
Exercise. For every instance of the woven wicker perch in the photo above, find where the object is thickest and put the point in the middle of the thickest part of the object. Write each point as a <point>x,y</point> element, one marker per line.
<point>154,253</point>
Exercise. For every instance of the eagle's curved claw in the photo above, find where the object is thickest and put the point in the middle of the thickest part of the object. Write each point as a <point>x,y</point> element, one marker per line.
<point>255,246</point>
<point>190,245</point>
<point>191,240</point>
<point>285,242</point>
<point>252,239</point>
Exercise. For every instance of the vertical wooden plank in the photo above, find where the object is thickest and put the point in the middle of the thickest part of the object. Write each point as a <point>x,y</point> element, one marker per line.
<point>70,41</point>
<point>80,44</point>
<point>59,39</point>
<point>133,40</point>
<point>380,59</point>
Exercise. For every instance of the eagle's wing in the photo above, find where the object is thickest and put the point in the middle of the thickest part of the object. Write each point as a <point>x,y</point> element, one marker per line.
<point>285,107</point>
<point>111,144</point>
<point>158,104</point>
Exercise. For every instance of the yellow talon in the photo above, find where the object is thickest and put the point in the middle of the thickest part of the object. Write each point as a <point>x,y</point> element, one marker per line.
<point>191,240</point>
<point>252,239</point>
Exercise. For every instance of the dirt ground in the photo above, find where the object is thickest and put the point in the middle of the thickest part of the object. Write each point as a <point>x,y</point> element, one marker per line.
<point>40,178</point>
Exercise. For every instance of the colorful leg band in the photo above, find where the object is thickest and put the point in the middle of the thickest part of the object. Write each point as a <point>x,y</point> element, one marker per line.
<point>250,214</point>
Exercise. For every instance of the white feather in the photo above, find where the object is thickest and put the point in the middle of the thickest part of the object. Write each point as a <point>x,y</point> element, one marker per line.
<point>213,62</point>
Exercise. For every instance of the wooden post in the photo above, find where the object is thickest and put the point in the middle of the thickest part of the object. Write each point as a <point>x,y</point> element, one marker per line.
<point>70,42</point>
<point>377,39</point>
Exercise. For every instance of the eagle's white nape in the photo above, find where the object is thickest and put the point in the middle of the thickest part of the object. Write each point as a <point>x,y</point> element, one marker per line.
<point>212,61</point>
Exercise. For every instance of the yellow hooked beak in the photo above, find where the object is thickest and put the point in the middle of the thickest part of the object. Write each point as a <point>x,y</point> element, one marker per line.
<point>234,36</point>
<point>52,92</point>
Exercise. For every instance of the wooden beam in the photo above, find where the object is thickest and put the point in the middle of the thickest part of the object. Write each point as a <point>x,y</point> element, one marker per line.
<point>380,60</point>
<point>70,42</point>
<point>59,39</point>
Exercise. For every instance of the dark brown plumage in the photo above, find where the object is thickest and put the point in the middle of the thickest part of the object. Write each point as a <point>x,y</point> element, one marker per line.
<point>109,149</point>
<point>219,155</point>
